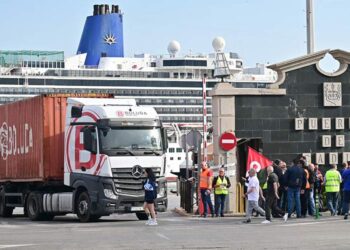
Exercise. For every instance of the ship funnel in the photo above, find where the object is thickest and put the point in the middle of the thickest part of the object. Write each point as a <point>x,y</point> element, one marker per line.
<point>102,35</point>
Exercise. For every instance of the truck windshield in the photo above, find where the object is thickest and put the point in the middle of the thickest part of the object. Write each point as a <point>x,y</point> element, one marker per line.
<point>131,140</point>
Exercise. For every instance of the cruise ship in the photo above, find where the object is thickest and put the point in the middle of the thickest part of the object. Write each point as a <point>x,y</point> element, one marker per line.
<point>172,83</point>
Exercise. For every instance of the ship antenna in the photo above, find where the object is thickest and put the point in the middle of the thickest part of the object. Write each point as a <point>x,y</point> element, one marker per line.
<point>221,66</point>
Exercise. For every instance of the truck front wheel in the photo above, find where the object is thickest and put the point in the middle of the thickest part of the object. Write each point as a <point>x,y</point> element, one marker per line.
<point>34,206</point>
<point>83,207</point>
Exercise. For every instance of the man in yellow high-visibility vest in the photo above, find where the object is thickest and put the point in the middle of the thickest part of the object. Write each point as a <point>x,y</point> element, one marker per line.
<point>221,184</point>
<point>332,181</point>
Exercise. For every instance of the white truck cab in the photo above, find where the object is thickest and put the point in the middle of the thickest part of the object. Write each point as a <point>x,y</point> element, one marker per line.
<point>108,144</point>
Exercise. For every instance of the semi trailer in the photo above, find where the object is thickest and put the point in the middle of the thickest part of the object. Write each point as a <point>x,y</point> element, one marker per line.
<point>68,154</point>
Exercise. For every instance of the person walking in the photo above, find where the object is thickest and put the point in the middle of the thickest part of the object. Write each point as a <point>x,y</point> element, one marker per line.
<point>221,183</point>
<point>205,187</point>
<point>346,192</point>
<point>272,197</point>
<point>294,177</point>
<point>252,195</point>
<point>332,181</point>
<point>150,187</point>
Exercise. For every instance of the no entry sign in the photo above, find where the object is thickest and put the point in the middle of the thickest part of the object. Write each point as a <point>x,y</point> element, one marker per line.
<point>228,141</point>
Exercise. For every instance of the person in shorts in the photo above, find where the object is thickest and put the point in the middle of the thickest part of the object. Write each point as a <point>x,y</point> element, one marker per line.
<point>150,187</point>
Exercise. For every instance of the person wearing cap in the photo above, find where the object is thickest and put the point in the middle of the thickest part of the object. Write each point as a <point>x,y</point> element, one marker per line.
<point>205,187</point>
<point>252,195</point>
<point>221,183</point>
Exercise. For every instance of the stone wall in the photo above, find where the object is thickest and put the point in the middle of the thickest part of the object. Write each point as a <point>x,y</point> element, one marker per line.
<point>272,118</point>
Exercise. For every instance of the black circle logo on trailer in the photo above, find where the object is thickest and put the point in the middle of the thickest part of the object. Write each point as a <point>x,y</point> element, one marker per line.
<point>136,171</point>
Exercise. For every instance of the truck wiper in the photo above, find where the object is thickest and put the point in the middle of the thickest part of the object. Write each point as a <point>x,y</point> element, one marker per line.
<point>150,150</point>
<point>123,150</point>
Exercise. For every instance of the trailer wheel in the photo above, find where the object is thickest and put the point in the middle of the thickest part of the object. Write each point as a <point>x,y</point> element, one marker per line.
<point>4,210</point>
<point>34,206</point>
<point>142,216</point>
<point>83,207</point>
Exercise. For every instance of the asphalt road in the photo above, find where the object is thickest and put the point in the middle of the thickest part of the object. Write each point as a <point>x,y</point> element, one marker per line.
<point>174,232</point>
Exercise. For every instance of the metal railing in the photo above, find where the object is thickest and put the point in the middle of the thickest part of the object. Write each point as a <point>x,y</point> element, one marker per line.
<point>240,200</point>
<point>186,195</point>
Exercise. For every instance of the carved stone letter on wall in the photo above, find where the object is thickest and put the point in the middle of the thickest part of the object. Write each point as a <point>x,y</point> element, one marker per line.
<point>299,123</point>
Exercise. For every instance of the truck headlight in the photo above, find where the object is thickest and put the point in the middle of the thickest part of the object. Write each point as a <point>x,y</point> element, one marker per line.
<point>161,192</point>
<point>109,194</point>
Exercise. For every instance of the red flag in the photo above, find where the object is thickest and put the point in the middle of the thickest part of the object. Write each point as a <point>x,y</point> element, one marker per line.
<point>257,160</point>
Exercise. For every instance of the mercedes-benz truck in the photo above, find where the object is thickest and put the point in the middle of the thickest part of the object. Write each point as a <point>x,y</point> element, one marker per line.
<point>64,154</point>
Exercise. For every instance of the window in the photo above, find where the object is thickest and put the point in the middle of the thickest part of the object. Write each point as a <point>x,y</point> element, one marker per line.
<point>179,158</point>
<point>239,64</point>
<point>171,158</point>
<point>196,63</point>
<point>171,150</point>
<point>178,150</point>
<point>153,64</point>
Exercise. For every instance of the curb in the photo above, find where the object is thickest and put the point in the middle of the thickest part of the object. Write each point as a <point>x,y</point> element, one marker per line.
<point>182,212</point>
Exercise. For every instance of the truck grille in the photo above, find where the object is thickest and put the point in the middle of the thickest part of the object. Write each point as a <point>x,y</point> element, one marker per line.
<point>126,184</point>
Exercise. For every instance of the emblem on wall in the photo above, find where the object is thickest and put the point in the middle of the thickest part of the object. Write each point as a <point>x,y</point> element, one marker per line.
<point>110,39</point>
<point>332,94</point>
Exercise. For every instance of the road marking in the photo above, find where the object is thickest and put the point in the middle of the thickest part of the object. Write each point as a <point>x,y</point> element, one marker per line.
<point>307,223</point>
<point>162,236</point>
<point>12,246</point>
<point>86,230</point>
<point>8,226</point>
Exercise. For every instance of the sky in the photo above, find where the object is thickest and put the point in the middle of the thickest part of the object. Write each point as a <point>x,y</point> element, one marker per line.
<point>260,31</point>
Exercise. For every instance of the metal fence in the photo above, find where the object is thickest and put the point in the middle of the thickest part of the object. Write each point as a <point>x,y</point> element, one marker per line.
<point>186,195</point>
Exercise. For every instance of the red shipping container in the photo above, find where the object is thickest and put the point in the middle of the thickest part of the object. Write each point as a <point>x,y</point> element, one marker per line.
<point>32,139</point>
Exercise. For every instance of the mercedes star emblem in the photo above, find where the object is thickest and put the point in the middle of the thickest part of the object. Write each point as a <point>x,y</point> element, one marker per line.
<point>137,171</point>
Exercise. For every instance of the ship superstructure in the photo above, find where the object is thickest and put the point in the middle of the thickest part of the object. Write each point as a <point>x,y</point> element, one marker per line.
<point>171,83</point>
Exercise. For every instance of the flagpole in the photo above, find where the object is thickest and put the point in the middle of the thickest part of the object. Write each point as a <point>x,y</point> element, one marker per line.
<point>204,92</point>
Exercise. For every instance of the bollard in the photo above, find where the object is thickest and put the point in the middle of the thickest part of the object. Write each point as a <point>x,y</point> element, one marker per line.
<point>317,198</point>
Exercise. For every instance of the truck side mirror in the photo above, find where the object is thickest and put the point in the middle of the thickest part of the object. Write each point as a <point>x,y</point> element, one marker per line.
<point>90,142</point>
<point>165,139</point>
<point>76,112</point>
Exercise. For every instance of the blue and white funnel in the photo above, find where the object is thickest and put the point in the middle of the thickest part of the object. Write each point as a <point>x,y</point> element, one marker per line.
<point>102,35</point>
